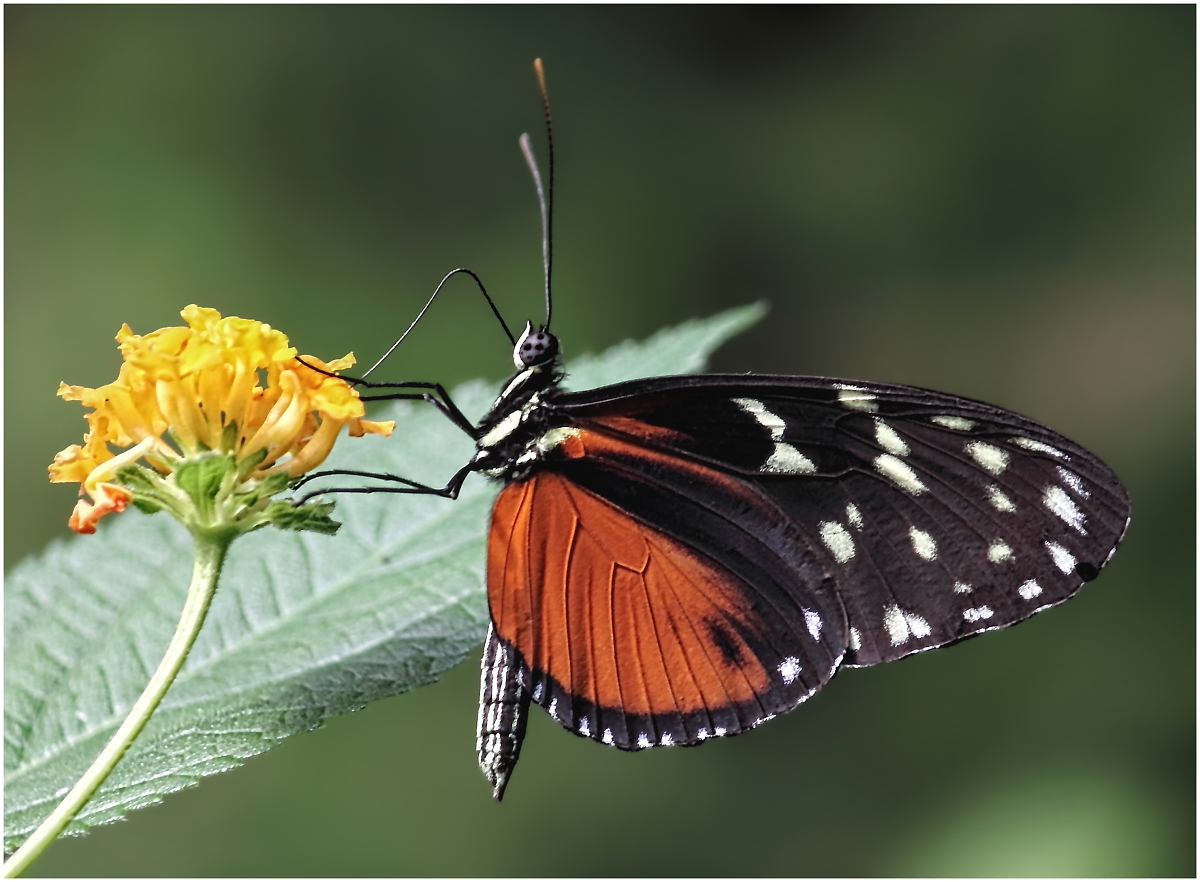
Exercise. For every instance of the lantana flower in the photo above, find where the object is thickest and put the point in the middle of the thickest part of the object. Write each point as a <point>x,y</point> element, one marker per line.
<point>227,396</point>
<point>208,422</point>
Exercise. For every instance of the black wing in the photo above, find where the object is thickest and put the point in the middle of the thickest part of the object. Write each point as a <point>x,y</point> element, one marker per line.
<point>939,517</point>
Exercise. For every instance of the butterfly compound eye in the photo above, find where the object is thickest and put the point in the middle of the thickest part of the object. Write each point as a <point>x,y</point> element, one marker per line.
<point>536,347</point>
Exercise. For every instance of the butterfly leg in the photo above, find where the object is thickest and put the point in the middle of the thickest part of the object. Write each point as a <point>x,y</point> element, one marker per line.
<point>438,397</point>
<point>450,491</point>
<point>448,408</point>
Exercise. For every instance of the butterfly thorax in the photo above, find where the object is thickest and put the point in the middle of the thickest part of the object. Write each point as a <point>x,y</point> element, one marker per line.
<point>510,433</point>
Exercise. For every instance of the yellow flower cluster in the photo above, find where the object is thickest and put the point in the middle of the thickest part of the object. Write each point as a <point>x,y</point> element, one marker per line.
<point>225,384</point>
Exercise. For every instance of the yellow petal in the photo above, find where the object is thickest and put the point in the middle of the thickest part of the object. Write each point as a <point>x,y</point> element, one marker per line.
<point>314,451</point>
<point>358,428</point>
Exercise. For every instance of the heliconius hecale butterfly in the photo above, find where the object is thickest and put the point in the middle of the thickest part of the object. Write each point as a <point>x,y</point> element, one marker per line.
<point>681,558</point>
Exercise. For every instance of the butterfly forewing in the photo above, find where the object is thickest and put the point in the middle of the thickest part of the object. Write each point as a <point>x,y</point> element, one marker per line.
<point>938,517</point>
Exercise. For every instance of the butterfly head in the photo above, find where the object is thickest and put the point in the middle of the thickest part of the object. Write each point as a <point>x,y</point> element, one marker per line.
<point>535,348</point>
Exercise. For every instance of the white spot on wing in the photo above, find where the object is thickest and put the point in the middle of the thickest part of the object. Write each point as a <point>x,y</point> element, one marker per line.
<point>789,669</point>
<point>962,588</point>
<point>666,740</point>
<point>855,639</point>
<point>784,459</point>
<point>889,440</point>
<point>999,552</point>
<point>765,418</point>
<point>1073,481</point>
<point>1030,589</point>
<point>916,624</point>
<point>607,737</point>
<point>837,540</point>
<point>643,740</point>
<point>895,624</point>
<point>787,460</point>
<point>992,458</point>
<point>537,692</point>
<point>554,708</point>
<point>953,422</point>
<point>584,729</point>
<point>1062,505</point>
<point>719,731</point>
<point>813,622</point>
<point>1039,447</point>
<point>901,625</point>
<point>896,469</point>
<point>1063,559</point>
<point>923,543</point>
<point>999,501</point>
<point>856,398</point>
<point>978,614</point>
<point>702,734</point>
<point>854,516</point>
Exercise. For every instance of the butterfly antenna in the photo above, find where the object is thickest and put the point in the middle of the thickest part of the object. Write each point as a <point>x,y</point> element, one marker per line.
<point>545,198</point>
<point>429,302</point>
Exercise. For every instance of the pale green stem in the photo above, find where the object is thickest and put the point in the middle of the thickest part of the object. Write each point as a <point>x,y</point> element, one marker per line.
<point>209,550</point>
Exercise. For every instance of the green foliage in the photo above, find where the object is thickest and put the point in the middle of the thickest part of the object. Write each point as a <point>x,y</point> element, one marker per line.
<point>303,627</point>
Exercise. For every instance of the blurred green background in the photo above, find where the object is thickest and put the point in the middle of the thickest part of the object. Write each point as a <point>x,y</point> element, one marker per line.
<point>998,202</point>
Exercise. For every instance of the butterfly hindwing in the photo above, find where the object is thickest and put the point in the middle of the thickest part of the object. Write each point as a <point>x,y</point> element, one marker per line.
<point>938,516</point>
<point>654,600</point>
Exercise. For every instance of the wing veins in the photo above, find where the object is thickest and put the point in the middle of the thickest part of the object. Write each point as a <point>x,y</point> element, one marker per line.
<point>704,648</point>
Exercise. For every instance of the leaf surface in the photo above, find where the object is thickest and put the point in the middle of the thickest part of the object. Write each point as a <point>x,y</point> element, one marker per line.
<point>302,627</point>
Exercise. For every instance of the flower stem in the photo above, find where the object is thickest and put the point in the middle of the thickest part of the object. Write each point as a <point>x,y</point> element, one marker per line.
<point>209,549</point>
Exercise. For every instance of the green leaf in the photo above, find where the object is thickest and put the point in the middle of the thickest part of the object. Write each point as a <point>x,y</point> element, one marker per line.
<point>303,626</point>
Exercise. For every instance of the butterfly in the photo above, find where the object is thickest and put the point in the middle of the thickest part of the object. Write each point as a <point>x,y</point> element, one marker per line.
<point>676,559</point>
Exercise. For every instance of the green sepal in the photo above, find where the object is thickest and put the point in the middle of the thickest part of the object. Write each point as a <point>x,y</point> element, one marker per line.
<point>263,489</point>
<point>248,463</point>
<point>276,482</point>
<point>202,476</point>
<point>147,488</point>
<point>313,516</point>
<point>145,506</point>
<point>138,479</point>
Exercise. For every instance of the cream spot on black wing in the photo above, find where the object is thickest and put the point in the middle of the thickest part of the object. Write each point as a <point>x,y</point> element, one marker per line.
<point>1062,558</point>
<point>889,440</point>
<point>856,398</point>
<point>899,471</point>
<point>999,552</point>
<point>953,422</point>
<point>789,669</point>
<point>990,457</point>
<point>999,501</point>
<point>1039,447</point>
<point>978,614</point>
<point>923,543</point>
<point>1063,506</point>
<point>837,540</point>
<point>1029,589</point>
<point>1073,481</point>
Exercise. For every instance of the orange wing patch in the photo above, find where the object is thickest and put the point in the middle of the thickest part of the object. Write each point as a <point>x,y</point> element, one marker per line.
<point>619,614</point>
